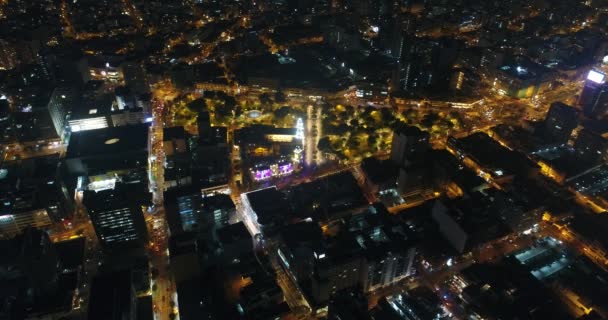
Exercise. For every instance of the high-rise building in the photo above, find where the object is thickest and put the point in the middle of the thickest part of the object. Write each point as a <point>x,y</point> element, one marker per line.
<point>203,122</point>
<point>61,102</point>
<point>409,145</point>
<point>590,146</point>
<point>196,211</point>
<point>335,273</point>
<point>561,120</point>
<point>31,195</point>
<point>97,152</point>
<point>29,272</point>
<point>113,297</point>
<point>593,84</point>
<point>598,106</point>
<point>69,69</point>
<point>117,216</point>
<point>136,78</point>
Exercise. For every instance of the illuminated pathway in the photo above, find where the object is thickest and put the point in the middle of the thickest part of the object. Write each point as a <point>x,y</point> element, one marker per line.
<point>312,135</point>
<point>308,151</point>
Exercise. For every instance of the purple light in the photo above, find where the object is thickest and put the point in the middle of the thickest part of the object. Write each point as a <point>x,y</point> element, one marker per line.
<point>286,169</point>
<point>262,174</point>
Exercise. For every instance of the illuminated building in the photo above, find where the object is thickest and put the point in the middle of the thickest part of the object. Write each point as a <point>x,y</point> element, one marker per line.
<point>116,214</point>
<point>561,120</point>
<point>590,147</point>
<point>370,251</point>
<point>198,212</point>
<point>106,72</point>
<point>62,101</point>
<point>282,167</point>
<point>519,80</point>
<point>387,246</point>
<point>31,195</point>
<point>271,152</point>
<point>177,157</point>
<point>97,111</point>
<point>371,91</point>
<point>593,85</point>
<point>13,224</point>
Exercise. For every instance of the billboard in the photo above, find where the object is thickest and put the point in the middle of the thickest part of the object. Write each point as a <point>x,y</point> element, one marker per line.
<point>596,76</point>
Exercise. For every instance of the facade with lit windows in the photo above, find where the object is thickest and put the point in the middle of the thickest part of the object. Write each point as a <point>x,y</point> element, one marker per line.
<point>117,215</point>
<point>14,224</point>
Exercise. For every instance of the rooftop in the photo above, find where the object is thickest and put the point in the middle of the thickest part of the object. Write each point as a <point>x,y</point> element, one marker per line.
<point>111,296</point>
<point>233,233</point>
<point>108,141</point>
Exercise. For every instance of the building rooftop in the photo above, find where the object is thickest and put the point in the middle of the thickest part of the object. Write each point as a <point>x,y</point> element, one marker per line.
<point>71,253</point>
<point>174,133</point>
<point>111,296</point>
<point>592,228</point>
<point>328,198</point>
<point>492,156</point>
<point>267,204</point>
<point>522,68</point>
<point>233,233</point>
<point>518,296</point>
<point>306,234</point>
<point>477,216</point>
<point>108,141</point>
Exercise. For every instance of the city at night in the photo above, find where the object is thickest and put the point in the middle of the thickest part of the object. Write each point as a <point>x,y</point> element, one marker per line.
<point>303,159</point>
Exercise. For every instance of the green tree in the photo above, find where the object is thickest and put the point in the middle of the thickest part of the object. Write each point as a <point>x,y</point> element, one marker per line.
<point>265,99</point>
<point>388,117</point>
<point>279,97</point>
<point>352,143</point>
<point>282,112</point>
<point>350,110</point>
<point>324,145</point>
<point>229,102</point>
<point>429,119</point>
<point>372,139</point>
<point>198,105</point>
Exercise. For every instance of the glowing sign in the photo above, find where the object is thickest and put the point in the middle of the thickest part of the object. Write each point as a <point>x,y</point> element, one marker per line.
<point>596,77</point>
<point>273,171</point>
<point>262,174</point>
<point>286,169</point>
